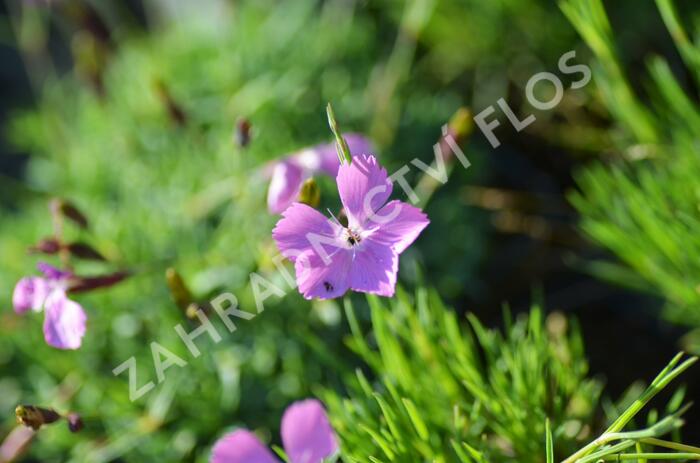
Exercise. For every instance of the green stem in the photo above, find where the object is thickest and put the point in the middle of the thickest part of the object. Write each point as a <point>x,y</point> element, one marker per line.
<point>652,456</point>
<point>671,445</point>
<point>612,433</point>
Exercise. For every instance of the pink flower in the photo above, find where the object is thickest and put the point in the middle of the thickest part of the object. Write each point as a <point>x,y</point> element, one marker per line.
<point>330,258</point>
<point>289,174</point>
<point>307,437</point>
<point>64,320</point>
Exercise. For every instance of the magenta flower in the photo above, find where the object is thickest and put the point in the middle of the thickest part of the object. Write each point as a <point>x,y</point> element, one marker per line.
<point>330,258</point>
<point>287,175</point>
<point>307,437</point>
<point>64,320</point>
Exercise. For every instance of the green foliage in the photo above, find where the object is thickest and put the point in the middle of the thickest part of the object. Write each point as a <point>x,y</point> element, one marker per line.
<point>644,205</point>
<point>151,161</point>
<point>440,392</point>
<point>169,188</point>
<point>616,445</point>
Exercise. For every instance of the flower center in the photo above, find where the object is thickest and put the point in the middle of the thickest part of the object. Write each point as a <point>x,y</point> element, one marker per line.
<point>353,237</point>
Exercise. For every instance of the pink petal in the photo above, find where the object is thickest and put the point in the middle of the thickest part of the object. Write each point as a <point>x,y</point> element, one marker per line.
<point>398,225</point>
<point>287,178</point>
<point>374,268</point>
<point>306,433</point>
<point>292,231</point>
<point>64,322</point>
<point>358,144</point>
<point>364,187</point>
<point>241,446</point>
<point>288,175</point>
<point>321,279</point>
<point>319,158</point>
<point>324,158</point>
<point>317,278</point>
<point>51,272</point>
<point>30,293</point>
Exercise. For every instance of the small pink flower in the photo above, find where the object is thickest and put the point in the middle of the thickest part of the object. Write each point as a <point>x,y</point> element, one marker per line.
<point>30,293</point>
<point>64,320</point>
<point>330,258</point>
<point>287,175</point>
<point>307,437</point>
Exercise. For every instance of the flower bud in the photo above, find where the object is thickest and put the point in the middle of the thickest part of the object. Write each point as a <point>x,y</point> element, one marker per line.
<point>83,251</point>
<point>35,417</point>
<point>75,422</point>
<point>46,246</point>
<point>178,289</point>
<point>341,145</point>
<point>80,284</point>
<point>193,308</point>
<point>68,210</point>
<point>310,193</point>
<point>89,57</point>
<point>175,111</point>
<point>242,132</point>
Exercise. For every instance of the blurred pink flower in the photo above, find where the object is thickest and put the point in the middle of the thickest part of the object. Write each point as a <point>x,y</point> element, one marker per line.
<point>330,258</point>
<point>307,437</point>
<point>64,320</point>
<point>287,175</point>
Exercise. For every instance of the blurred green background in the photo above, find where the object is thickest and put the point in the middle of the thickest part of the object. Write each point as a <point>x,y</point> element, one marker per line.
<point>129,110</point>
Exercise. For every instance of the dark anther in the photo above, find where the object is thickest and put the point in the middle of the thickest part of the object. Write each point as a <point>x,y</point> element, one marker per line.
<point>353,238</point>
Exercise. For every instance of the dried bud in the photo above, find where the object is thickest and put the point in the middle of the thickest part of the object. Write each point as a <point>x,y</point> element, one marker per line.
<point>75,422</point>
<point>82,284</point>
<point>89,56</point>
<point>242,132</point>
<point>83,251</point>
<point>310,193</point>
<point>85,18</point>
<point>175,111</point>
<point>60,206</point>
<point>178,289</point>
<point>35,417</point>
<point>46,246</point>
